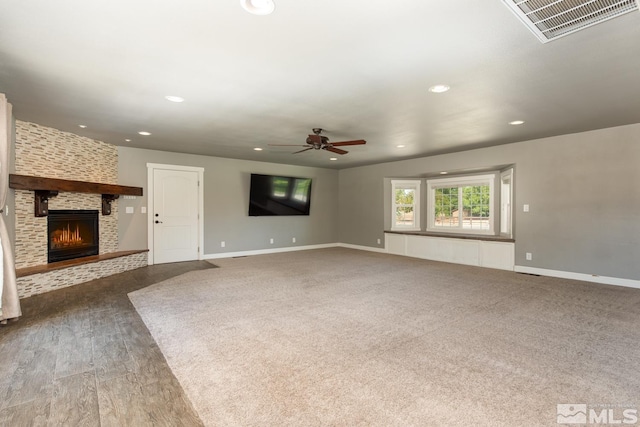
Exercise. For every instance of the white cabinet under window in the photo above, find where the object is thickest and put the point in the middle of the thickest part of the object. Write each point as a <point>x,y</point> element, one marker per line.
<point>481,253</point>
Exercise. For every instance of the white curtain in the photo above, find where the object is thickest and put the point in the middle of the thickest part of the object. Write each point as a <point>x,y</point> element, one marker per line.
<point>10,308</point>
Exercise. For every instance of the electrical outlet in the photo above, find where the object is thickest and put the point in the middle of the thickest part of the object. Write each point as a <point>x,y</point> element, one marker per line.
<point>143,209</point>
<point>271,240</point>
<point>378,241</point>
<point>293,240</point>
<point>222,244</point>
<point>529,256</point>
<point>525,208</point>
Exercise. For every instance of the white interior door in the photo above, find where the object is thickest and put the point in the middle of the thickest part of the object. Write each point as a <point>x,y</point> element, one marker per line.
<point>175,215</point>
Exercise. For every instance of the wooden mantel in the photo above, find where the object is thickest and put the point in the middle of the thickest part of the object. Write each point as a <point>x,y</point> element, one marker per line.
<point>44,188</point>
<point>26,182</point>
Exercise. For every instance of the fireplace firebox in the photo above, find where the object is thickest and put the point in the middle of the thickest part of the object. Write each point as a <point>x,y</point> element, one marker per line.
<point>72,234</point>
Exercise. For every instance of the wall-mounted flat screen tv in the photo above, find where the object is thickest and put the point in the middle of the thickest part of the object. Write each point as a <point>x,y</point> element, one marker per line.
<point>279,195</point>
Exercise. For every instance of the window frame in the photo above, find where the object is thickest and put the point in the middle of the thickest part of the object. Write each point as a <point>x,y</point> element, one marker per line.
<point>506,206</point>
<point>461,181</point>
<point>406,183</point>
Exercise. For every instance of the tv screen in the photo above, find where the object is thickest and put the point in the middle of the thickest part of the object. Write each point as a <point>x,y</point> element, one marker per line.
<point>279,195</point>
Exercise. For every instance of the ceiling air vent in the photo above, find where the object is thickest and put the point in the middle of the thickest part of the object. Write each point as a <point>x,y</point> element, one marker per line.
<point>551,19</point>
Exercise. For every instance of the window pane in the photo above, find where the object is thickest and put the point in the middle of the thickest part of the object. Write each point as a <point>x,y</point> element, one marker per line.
<point>446,207</point>
<point>462,204</point>
<point>475,207</point>
<point>505,203</point>
<point>405,196</point>
<point>405,204</point>
<point>404,215</point>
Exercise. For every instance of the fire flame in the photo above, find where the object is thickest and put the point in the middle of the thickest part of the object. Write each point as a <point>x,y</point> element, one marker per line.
<point>66,237</point>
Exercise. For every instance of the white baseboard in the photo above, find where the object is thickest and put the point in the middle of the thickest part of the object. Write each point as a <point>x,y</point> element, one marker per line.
<point>629,283</point>
<point>579,276</point>
<point>268,251</point>
<point>362,248</point>
<point>291,249</point>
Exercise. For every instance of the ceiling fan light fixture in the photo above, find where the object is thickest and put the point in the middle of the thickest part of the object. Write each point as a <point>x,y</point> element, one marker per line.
<point>320,142</point>
<point>258,7</point>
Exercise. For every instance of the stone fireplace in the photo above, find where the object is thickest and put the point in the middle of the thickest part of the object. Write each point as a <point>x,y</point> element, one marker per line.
<point>50,153</point>
<point>72,234</point>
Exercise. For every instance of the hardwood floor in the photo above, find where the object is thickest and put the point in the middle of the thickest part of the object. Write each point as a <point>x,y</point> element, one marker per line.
<point>81,356</point>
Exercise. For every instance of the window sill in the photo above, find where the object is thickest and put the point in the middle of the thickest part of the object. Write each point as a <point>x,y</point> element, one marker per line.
<point>481,237</point>
<point>404,230</point>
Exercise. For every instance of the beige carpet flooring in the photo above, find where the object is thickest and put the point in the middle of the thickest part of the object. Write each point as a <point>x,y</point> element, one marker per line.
<point>346,337</point>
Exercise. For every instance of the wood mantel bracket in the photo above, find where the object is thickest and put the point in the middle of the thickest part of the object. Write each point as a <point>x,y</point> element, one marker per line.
<point>42,201</point>
<point>45,188</point>
<point>106,203</point>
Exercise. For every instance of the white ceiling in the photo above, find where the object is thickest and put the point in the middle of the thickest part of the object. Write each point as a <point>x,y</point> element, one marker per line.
<point>359,69</point>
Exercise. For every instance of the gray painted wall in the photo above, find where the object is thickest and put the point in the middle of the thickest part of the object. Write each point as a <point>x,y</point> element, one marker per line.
<point>583,191</point>
<point>226,203</point>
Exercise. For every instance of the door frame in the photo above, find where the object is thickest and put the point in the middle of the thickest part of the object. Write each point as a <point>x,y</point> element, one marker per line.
<point>151,167</point>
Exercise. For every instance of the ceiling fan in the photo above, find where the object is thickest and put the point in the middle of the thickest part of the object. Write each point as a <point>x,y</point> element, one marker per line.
<point>320,142</point>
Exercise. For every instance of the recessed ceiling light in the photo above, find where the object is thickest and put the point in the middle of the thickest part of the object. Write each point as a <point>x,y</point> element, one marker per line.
<point>333,158</point>
<point>174,98</point>
<point>400,146</point>
<point>257,149</point>
<point>144,133</point>
<point>443,173</point>
<point>82,126</point>
<point>516,122</point>
<point>439,88</point>
<point>127,140</point>
<point>258,7</point>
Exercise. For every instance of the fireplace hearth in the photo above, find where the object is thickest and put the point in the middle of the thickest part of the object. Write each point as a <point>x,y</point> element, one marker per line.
<point>72,234</point>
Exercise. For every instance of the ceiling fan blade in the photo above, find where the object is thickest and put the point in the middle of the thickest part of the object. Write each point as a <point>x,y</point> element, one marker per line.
<point>342,143</point>
<point>306,149</point>
<point>335,150</point>
<point>286,145</point>
<point>314,139</point>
